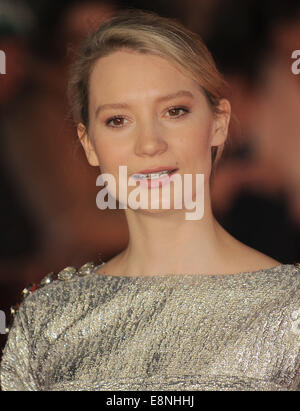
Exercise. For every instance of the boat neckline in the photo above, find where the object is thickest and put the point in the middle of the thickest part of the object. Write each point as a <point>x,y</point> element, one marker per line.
<point>197,275</point>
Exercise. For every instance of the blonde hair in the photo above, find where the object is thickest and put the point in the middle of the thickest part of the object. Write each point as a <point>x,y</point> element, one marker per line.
<point>148,33</point>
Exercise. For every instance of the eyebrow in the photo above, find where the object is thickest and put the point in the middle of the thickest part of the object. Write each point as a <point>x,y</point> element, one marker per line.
<point>180,93</point>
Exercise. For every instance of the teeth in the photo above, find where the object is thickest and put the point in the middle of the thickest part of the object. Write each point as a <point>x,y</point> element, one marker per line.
<point>151,175</point>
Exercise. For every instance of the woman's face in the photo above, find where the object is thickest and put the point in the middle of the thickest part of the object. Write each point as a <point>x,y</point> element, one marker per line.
<point>145,128</point>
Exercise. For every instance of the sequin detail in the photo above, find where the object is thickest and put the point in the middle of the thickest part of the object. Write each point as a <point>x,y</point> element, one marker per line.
<point>66,274</point>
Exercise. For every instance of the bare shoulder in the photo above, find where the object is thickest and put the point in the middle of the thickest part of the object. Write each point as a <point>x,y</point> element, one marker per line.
<point>244,257</point>
<point>256,260</point>
<point>264,259</point>
<point>113,266</point>
<point>250,259</point>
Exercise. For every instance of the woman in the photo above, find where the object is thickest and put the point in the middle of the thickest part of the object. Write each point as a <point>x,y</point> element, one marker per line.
<point>185,306</point>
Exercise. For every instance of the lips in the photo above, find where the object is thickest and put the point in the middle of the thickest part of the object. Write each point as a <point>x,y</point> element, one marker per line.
<point>155,179</point>
<point>154,175</point>
<point>156,170</point>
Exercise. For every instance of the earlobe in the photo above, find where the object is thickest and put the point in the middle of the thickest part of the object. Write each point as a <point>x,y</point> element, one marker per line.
<point>87,145</point>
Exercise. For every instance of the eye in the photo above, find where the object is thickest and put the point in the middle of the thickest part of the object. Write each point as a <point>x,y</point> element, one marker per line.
<point>175,110</point>
<point>117,120</point>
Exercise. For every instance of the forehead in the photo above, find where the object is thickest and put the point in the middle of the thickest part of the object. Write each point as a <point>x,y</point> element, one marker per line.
<point>129,72</point>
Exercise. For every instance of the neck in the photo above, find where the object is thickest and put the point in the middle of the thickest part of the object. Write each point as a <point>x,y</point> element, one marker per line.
<point>162,243</point>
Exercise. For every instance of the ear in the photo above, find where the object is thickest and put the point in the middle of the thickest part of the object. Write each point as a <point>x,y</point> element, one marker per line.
<point>221,123</point>
<point>87,145</point>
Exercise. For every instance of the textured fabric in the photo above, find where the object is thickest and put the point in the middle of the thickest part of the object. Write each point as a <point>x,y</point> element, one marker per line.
<point>172,332</point>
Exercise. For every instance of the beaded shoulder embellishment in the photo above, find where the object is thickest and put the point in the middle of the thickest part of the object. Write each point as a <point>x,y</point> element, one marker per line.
<point>66,274</point>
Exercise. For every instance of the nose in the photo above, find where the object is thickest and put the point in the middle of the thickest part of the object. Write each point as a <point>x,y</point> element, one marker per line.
<point>150,142</point>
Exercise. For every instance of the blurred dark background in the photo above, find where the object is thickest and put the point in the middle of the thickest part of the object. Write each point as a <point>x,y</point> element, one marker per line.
<point>49,217</point>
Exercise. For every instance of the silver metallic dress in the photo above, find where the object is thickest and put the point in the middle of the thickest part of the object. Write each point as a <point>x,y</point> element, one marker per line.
<point>85,331</point>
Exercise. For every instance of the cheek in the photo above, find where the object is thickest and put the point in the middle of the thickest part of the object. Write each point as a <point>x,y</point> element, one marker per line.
<point>196,142</point>
<point>110,156</point>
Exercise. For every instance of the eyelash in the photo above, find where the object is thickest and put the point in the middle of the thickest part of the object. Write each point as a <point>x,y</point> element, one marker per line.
<point>185,109</point>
